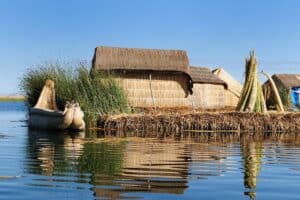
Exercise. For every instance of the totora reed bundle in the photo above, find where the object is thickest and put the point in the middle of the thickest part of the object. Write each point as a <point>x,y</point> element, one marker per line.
<point>251,99</point>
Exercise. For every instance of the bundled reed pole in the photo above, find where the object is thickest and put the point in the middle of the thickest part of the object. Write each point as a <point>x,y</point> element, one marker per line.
<point>279,104</point>
<point>251,99</point>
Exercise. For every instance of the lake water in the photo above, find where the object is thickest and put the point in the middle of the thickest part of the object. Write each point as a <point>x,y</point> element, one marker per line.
<point>49,165</point>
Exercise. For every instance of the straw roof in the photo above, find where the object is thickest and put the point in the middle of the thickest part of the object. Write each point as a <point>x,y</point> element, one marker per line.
<point>113,58</point>
<point>289,80</point>
<point>204,75</point>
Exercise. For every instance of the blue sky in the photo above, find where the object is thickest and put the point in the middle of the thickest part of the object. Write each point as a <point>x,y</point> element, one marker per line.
<point>213,32</point>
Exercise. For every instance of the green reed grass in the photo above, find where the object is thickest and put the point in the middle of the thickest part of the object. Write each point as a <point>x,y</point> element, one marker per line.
<point>97,93</point>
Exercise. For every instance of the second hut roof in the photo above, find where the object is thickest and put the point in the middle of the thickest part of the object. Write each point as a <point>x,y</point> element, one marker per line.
<point>204,75</point>
<point>289,80</point>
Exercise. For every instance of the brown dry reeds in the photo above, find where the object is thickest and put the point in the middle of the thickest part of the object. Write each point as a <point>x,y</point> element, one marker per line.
<point>196,123</point>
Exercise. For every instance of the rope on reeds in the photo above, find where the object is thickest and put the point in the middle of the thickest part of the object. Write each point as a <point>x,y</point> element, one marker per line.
<point>153,100</point>
<point>251,99</point>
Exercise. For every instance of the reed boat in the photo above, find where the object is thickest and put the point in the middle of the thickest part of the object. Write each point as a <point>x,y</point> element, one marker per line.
<point>43,118</point>
<point>46,115</point>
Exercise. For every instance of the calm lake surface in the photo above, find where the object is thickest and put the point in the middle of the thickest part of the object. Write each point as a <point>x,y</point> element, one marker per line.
<point>49,165</point>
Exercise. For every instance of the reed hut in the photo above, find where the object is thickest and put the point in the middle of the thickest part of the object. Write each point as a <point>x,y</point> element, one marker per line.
<point>150,77</point>
<point>234,89</point>
<point>208,89</point>
<point>288,86</point>
<point>160,78</point>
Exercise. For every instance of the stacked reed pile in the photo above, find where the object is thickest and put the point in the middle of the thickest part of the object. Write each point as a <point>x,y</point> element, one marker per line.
<point>252,98</point>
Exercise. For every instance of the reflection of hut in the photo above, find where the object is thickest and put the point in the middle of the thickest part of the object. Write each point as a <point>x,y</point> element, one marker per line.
<point>289,90</point>
<point>155,166</point>
<point>208,89</point>
<point>150,77</point>
<point>234,88</point>
<point>148,167</point>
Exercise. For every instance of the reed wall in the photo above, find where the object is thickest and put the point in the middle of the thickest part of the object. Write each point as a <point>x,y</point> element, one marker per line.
<point>234,88</point>
<point>207,96</point>
<point>160,90</point>
<point>231,100</point>
<point>171,90</point>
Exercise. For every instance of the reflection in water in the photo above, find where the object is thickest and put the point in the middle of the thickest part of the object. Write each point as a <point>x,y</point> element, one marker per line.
<point>124,168</point>
<point>51,152</point>
<point>252,156</point>
<point>161,166</point>
<point>148,166</point>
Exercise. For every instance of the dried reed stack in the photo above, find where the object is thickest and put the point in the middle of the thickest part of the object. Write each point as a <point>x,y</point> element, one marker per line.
<point>252,99</point>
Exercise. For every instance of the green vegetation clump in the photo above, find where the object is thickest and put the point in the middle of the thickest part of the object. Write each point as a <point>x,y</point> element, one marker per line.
<point>285,96</point>
<point>97,93</point>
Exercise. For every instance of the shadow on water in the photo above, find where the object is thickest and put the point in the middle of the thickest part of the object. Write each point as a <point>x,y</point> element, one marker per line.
<point>123,168</point>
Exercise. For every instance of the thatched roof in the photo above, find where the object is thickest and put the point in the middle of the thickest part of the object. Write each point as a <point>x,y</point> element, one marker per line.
<point>204,75</point>
<point>113,58</point>
<point>289,80</point>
